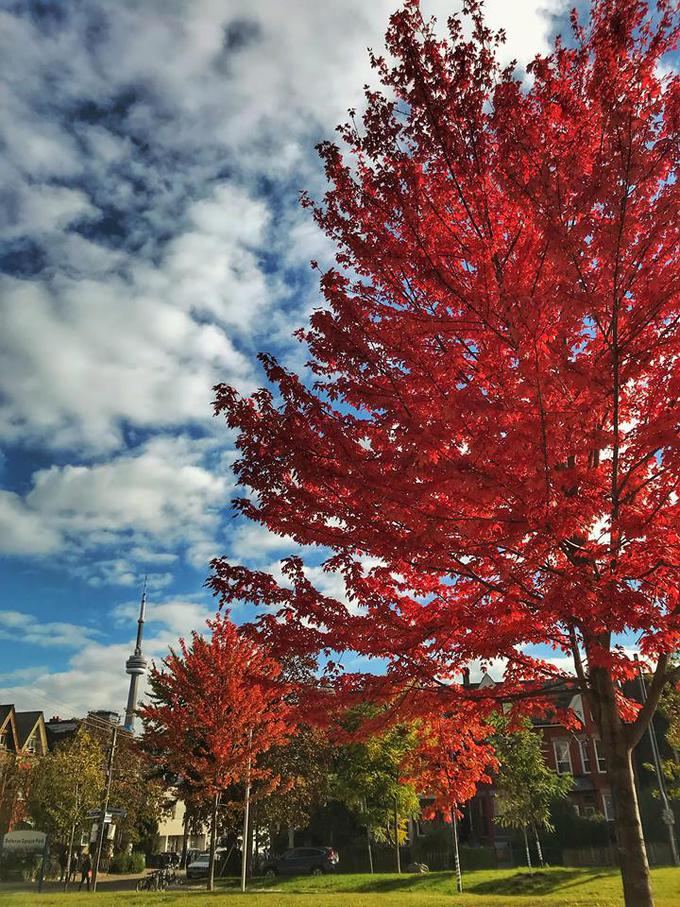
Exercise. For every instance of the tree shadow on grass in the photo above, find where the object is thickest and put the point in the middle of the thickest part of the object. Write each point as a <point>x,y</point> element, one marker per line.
<point>415,882</point>
<point>538,882</point>
<point>396,883</point>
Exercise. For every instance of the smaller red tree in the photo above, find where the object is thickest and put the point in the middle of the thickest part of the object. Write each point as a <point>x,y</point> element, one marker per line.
<point>453,755</point>
<point>216,705</point>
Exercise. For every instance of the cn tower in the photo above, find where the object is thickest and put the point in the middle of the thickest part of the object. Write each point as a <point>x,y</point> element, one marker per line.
<point>135,666</point>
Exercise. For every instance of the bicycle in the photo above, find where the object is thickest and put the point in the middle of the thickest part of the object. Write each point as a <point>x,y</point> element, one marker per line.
<point>156,881</point>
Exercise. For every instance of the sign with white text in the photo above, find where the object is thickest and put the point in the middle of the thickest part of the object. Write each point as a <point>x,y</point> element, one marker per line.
<point>25,841</point>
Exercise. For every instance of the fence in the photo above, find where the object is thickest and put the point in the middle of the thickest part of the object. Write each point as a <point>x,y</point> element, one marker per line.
<point>658,854</point>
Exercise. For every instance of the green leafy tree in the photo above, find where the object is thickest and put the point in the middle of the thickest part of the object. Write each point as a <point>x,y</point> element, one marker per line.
<point>669,706</point>
<point>144,797</point>
<point>64,784</point>
<point>367,778</point>
<point>303,764</point>
<point>526,788</point>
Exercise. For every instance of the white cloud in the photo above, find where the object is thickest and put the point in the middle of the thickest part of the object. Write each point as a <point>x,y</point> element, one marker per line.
<point>93,679</point>
<point>22,530</point>
<point>212,266</point>
<point>252,542</point>
<point>166,494</point>
<point>82,356</point>
<point>43,208</point>
<point>21,627</point>
<point>175,617</point>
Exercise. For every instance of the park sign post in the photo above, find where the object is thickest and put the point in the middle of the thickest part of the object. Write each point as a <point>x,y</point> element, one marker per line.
<point>28,841</point>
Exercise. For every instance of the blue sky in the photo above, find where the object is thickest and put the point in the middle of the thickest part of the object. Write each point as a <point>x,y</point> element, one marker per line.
<point>151,244</point>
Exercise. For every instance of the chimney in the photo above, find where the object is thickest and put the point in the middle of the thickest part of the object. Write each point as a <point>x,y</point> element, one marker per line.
<point>466,677</point>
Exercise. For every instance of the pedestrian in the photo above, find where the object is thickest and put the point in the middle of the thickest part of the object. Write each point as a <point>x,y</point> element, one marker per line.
<point>85,871</point>
<point>75,865</point>
<point>63,860</point>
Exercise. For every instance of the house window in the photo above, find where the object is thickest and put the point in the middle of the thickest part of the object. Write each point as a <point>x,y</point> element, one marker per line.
<point>32,745</point>
<point>585,755</point>
<point>562,756</point>
<point>599,756</point>
<point>608,805</point>
<point>419,828</point>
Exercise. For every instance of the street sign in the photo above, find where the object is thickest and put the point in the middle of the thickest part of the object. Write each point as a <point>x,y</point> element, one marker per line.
<point>109,831</point>
<point>24,841</point>
<point>115,812</point>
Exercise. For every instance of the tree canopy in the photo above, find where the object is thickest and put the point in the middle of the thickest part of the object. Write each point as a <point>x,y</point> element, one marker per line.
<point>526,788</point>
<point>216,705</point>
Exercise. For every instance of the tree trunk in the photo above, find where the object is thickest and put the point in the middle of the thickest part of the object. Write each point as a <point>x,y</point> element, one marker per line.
<point>370,849</point>
<point>246,819</point>
<point>526,847</point>
<point>185,839</point>
<point>256,845</point>
<point>539,849</point>
<point>456,851</point>
<point>213,844</point>
<point>632,854</point>
<point>249,852</point>
<point>396,838</point>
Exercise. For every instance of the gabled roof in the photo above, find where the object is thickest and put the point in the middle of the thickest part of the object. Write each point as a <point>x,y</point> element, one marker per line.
<point>26,723</point>
<point>8,720</point>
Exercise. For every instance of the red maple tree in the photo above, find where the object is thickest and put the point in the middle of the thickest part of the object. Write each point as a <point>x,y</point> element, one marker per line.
<point>449,761</point>
<point>216,705</point>
<point>453,756</point>
<point>493,417</point>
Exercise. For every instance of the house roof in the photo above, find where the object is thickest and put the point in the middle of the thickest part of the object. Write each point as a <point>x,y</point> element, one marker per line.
<point>26,722</point>
<point>8,720</point>
<point>59,729</point>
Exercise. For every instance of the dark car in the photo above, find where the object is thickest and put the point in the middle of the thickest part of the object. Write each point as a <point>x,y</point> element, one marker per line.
<point>302,861</point>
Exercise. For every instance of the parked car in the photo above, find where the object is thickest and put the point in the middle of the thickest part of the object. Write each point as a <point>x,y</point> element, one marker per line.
<point>302,861</point>
<point>198,867</point>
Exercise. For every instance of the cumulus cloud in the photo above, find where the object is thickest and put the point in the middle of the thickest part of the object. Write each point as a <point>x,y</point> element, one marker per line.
<point>165,495</point>
<point>22,530</point>
<point>254,543</point>
<point>21,627</point>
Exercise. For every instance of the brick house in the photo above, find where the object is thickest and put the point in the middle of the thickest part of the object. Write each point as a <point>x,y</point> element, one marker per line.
<point>576,751</point>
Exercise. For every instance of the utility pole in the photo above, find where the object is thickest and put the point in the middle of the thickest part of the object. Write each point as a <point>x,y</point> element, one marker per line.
<point>667,813</point>
<point>102,821</point>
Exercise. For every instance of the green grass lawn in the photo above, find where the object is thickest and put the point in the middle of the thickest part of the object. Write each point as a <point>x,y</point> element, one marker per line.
<point>555,887</point>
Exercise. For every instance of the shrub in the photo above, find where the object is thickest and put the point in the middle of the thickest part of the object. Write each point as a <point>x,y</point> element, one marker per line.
<point>128,862</point>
